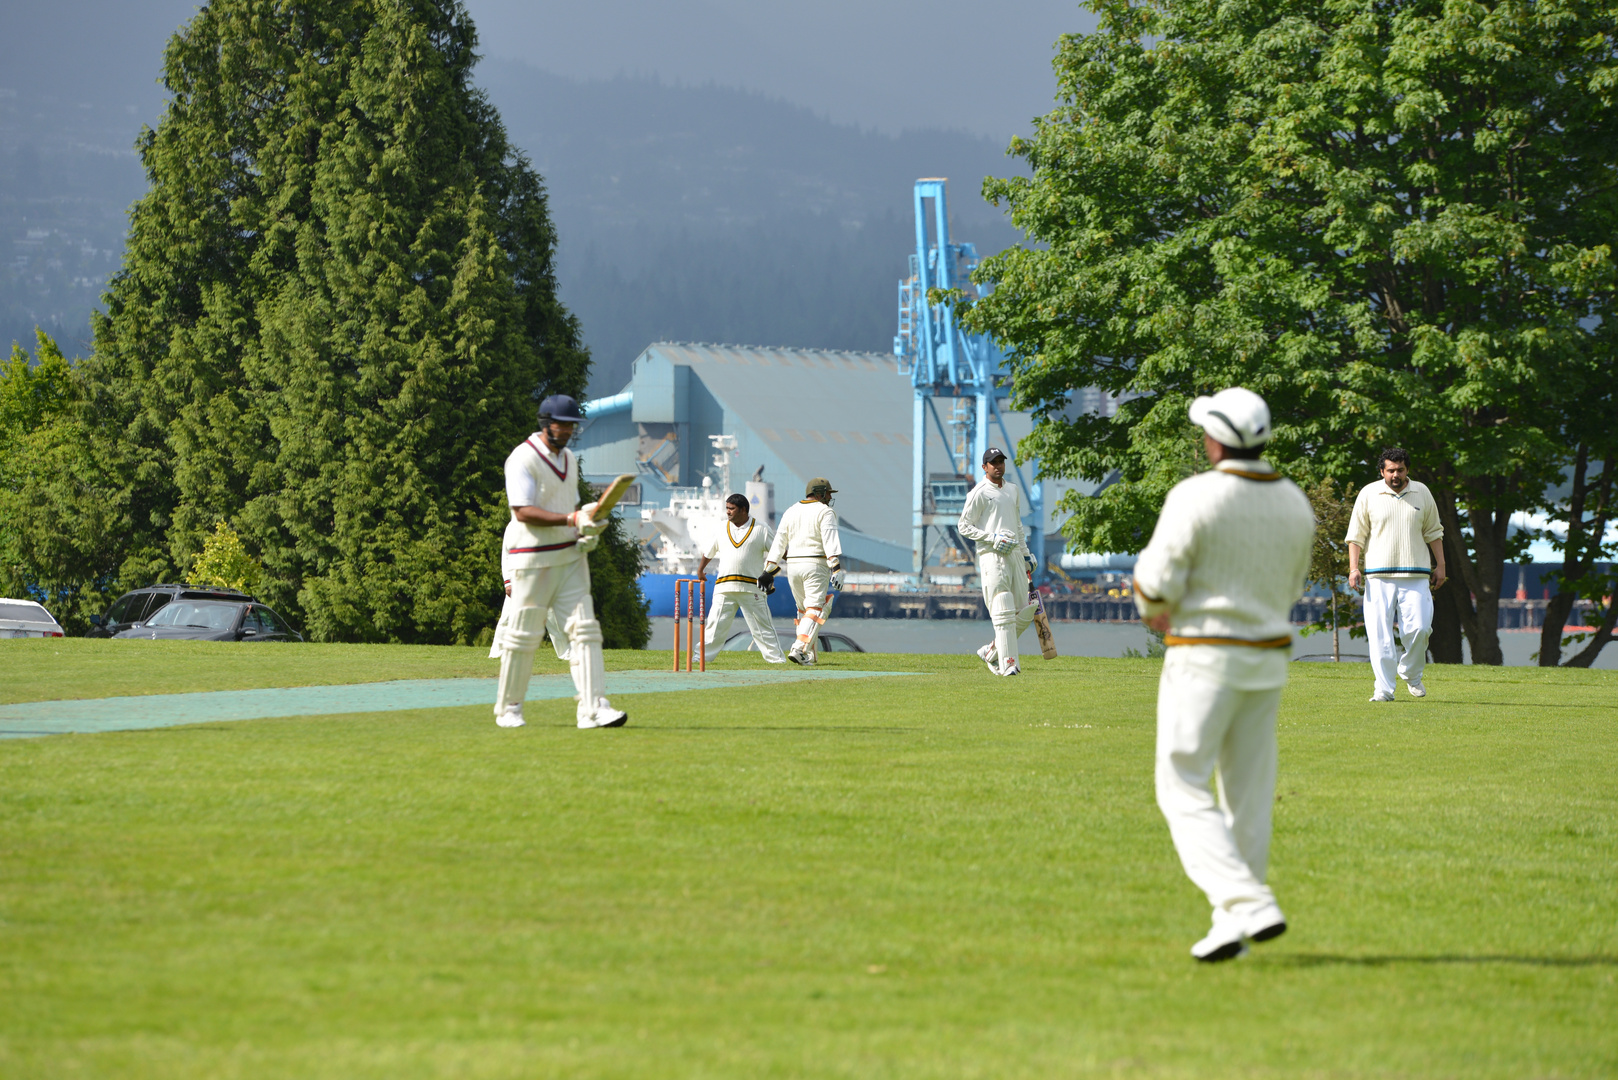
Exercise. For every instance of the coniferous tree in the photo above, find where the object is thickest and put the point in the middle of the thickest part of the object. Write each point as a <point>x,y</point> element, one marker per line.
<point>336,312</point>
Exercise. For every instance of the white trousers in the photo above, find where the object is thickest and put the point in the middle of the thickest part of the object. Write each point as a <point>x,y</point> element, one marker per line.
<point>534,594</point>
<point>1005,593</point>
<point>1405,605</point>
<point>1220,827</point>
<point>809,579</point>
<point>755,609</point>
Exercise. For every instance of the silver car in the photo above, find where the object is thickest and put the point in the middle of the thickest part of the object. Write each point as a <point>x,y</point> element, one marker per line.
<point>24,618</point>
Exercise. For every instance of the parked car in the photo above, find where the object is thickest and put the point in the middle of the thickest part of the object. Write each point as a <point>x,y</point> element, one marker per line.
<point>24,618</point>
<point>138,606</point>
<point>743,642</point>
<point>213,620</point>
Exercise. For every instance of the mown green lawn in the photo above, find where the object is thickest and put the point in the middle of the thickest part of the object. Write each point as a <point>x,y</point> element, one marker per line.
<point>939,874</point>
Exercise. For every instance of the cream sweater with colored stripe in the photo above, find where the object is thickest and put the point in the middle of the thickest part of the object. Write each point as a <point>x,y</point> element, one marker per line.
<point>1393,529</point>
<point>1229,555</point>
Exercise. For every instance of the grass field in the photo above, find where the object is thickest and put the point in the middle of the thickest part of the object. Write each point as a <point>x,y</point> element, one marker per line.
<point>937,874</point>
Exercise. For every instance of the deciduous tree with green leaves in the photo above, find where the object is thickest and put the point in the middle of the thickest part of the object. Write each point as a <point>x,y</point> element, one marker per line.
<point>336,313</point>
<point>1394,221</point>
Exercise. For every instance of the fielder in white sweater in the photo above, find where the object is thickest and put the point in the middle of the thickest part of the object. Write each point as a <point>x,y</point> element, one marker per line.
<point>992,520</point>
<point>1224,566</point>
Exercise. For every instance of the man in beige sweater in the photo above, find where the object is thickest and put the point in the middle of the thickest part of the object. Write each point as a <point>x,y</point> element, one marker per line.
<point>1395,528</point>
<point>1226,563</point>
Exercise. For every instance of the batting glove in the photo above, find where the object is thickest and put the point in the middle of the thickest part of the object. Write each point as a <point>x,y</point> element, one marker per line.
<point>837,580</point>
<point>588,544</point>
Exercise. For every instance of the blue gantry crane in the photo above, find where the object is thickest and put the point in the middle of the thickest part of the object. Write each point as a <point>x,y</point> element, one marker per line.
<point>947,364</point>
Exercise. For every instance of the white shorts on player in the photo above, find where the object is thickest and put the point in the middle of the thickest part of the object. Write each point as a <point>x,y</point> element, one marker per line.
<point>755,610</point>
<point>1406,605</point>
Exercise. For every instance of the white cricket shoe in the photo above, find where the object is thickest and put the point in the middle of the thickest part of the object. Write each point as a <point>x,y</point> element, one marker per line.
<point>1222,943</point>
<point>990,655</point>
<point>1010,668</point>
<point>1383,697</point>
<point>795,654</point>
<point>604,716</point>
<point>1415,687</point>
<point>1265,924</point>
<point>511,717</point>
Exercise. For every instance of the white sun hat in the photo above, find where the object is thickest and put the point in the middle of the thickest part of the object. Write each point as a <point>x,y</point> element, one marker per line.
<point>1234,416</point>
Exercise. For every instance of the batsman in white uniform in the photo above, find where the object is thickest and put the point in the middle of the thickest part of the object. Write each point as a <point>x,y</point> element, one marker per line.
<point>992,520</point>
<point>545,548</point>
<point>1224,566</point>
<point>808,546</point>
<point>739,548</point>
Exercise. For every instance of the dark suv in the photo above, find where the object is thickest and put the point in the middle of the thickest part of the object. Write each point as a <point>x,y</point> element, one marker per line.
<point>142,604</point>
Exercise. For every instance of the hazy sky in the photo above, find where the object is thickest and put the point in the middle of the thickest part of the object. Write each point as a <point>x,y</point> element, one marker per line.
<point>888,64</point>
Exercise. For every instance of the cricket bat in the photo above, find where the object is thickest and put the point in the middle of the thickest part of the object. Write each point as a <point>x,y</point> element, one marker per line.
<point>610,497</point>
<point>1042,626</point>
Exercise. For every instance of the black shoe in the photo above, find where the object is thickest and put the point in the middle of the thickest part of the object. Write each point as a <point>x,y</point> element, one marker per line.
<point>1271,932</point>
<point>1228,951</point>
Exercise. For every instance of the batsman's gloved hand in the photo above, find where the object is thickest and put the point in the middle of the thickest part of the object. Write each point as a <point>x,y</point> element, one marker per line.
<point>1003,542</point>
<point>1029,564</point>
<point>766,581</point>
<point>837,580</point>
<point>584,520</point>
<point>588,544</point>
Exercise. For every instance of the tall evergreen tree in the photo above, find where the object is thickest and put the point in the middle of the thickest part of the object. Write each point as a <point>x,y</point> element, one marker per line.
<point>336,312</point>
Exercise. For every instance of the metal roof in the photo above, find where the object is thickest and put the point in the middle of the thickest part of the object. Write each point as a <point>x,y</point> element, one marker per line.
<point>843,415</point>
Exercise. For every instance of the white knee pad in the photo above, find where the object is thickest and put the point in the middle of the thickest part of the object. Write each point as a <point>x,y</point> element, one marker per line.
<point>1003,610</point>
<point>584,631</point>
<point>524,630</point>
<point>1025,617</point>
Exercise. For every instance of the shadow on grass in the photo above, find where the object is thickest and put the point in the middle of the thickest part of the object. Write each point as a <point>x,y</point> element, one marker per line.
<point>1312,960</point>
<point>1531,704</point>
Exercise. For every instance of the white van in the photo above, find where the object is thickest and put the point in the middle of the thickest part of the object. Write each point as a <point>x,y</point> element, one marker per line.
<point>24,618</point>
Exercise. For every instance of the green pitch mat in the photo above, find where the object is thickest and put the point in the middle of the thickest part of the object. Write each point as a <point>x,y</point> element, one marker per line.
<point>939,875</point>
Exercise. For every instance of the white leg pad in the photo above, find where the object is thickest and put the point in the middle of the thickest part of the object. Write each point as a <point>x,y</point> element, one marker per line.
<point>516,667</point>
<point>1003,614</point>
<point>585,659</point>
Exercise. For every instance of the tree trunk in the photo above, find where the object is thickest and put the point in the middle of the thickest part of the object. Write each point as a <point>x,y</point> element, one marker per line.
<point>1445,642</point>
<point>1573,569</point>
<point>1476,581</point>
<point>1550,634</point>
<point>1603,634</point>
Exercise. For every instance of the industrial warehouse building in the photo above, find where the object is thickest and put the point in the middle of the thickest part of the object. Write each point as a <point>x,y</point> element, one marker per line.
<point>795,413</point>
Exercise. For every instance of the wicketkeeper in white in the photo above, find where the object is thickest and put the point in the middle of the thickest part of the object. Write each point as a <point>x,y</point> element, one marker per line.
<point>1224,566</point>
<point>1395,527</point>
<point>739,547</point>
<point>546,546</point>
<point>808,546</point>
<point>992,520</point>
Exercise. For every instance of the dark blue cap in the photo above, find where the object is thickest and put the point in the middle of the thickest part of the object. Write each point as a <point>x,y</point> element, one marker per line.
<point>993,453</point>
<point>562,408</point>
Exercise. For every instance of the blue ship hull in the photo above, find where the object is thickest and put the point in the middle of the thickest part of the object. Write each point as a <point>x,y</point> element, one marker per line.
<point>659,589</point>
